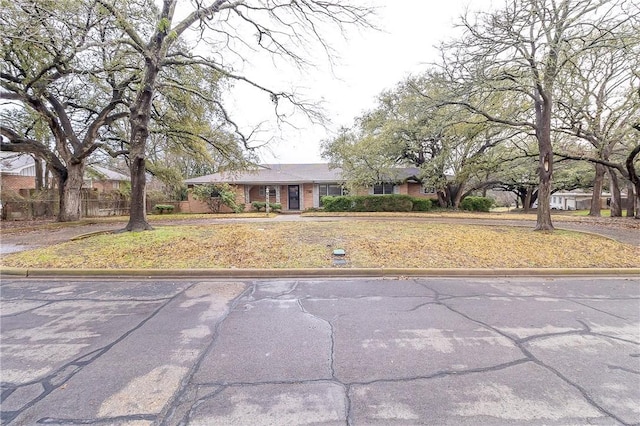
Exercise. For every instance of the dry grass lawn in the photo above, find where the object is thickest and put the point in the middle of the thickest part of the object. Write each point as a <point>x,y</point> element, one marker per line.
<point>367,243</point>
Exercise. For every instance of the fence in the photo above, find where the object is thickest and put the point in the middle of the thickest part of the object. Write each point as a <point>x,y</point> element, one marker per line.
<point>41,209</point>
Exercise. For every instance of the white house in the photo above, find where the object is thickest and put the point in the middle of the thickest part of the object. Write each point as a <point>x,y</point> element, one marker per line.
<point>575,200</point>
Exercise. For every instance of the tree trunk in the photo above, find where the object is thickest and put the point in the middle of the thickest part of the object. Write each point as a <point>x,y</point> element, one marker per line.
<point>616,206</point>
<point>69,188</point>
<point>455,192</point>
<point>139,120</point>
<point>39,174</point>
<point>47,173</point>
<point>526,202</point>
<point>442,199</point>
<point>545,167</point>
<point>138,212</point>
<point>633,175</point>
<point>630,200</point>
<point>596,198</point>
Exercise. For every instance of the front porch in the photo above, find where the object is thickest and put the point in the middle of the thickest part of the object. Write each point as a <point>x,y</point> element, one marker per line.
<point>294,197</point>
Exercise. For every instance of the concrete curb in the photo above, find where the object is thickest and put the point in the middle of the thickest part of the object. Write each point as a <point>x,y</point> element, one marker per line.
<point>316,273</point>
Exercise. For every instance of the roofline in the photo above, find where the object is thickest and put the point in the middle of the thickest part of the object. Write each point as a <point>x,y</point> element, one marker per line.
<point>253,182</point>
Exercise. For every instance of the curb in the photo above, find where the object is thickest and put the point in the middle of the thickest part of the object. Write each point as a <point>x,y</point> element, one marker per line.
<point>317,273</point>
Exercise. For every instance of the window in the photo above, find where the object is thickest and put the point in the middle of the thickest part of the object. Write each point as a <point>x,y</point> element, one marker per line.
<point>330,189</point>
<point>383,188</point>
<point>427,190</point>
<point>262,191</point>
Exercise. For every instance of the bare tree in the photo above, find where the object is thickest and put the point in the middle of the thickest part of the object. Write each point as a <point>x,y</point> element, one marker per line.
<point>522,50</point>
<point>597,103</point>
<point>283,28</point>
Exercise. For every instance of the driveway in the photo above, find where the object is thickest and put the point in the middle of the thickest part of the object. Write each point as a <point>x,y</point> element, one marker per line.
<point>552,351</point>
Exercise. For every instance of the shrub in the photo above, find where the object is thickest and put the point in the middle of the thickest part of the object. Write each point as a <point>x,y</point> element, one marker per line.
<point>476,204</point>
<point>422,204</point>
<point>341,203</point>
<point>161,208</point>
<point>261,205</point>
<point>375,203</point>
<point>388,203</point>
<point>216,196</point>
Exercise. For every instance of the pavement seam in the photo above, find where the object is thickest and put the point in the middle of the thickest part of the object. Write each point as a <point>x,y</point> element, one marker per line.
<point>599,310</point>
<point>177,398</point>
<point>332,370</point>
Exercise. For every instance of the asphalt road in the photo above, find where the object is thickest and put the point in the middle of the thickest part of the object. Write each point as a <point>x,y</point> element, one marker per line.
<point>483,351</point>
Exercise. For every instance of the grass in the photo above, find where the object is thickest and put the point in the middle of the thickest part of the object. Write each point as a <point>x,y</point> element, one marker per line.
<point>310,244</point>
<point>451,214</point>
<point>603,213</point>
<point>152,218</point>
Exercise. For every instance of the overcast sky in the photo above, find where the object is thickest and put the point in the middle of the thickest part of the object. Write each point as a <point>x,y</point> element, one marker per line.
<point>369,63</point>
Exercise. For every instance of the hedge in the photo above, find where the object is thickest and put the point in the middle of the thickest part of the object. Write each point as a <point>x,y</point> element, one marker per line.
<point>261,205</point>
<point>422,204</point>
<point>375,203</point>
<point>161,208</point>
<point>476,204</point>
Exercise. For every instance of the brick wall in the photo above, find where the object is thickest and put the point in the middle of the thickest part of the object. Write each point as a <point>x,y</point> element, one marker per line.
<point>307,189</point>
<point>16,182</point>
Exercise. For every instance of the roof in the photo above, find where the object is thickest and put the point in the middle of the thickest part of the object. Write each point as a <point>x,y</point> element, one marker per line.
<point>17,164</point>
<point>275,174</point>
<point>290,173</point>
<point>106,174</point>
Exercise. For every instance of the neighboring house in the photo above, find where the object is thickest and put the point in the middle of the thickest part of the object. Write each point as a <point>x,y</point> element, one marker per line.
<point>103,180</point>
<point>296,187</point>
<point>17,172</point>
<point>577,200</point>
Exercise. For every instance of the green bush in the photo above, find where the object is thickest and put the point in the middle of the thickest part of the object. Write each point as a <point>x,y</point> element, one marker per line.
<point>216,195</point>
<point>261,205</point>
<point>332,203</point>
<point>388,203</point>
<point>162,208</point>
<point>375,203</point>
<point>476,204</point>
<point>422,204</point>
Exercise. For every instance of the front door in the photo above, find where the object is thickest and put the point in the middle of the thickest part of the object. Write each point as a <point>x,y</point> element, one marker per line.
<point>294,197</point>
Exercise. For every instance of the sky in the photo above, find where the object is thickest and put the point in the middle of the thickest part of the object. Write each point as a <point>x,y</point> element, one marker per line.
<point>369,62</point>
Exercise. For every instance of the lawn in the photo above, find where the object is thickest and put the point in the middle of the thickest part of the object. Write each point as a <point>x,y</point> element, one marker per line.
<point>368,243</point>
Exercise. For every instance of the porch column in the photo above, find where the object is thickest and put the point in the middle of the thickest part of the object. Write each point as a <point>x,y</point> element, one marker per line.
<point>301,197</point>
<point>277,193</point>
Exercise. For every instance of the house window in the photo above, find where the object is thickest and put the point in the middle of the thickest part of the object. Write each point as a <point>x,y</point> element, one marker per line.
<point>383,188</point>
<point>330,189</point>
<point>427,189</point>
<point>262,191</point>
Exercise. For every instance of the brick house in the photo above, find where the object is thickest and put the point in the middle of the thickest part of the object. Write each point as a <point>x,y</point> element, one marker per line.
<point>103,180</point>
<point>17,172</point>
<point>297,187</point>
